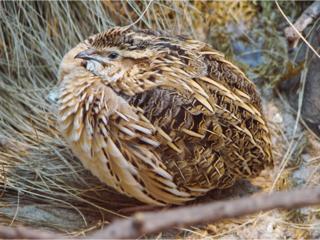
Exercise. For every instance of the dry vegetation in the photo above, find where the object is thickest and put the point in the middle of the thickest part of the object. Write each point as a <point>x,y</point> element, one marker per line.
<point>43,185</point>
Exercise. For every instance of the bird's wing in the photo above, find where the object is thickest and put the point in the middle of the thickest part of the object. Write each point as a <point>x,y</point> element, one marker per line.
<point>115,140</point>
<point>233,99</point>
<point>128,142</point>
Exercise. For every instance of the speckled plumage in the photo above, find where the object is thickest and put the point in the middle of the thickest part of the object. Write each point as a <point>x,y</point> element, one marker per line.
<point>160,118</point>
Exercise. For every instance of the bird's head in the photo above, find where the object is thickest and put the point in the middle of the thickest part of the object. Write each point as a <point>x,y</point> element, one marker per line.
<point>115,53</point>
<point>107,63</point>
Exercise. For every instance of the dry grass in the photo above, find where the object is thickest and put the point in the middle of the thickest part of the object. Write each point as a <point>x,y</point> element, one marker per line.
<point>45,186</point>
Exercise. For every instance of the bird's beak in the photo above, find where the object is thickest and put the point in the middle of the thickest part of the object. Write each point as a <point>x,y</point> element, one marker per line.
<point>88,54</point>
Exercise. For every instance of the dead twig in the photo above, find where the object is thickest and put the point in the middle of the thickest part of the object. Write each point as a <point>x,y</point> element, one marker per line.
<point>26,233</point>
<point>152,222</point>
<point>292,32</point>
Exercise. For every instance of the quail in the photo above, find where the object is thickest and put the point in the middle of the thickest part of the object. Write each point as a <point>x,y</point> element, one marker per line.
<point>160,118</point>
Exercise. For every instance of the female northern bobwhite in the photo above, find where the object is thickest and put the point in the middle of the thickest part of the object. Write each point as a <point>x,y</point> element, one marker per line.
<point>160,118</point>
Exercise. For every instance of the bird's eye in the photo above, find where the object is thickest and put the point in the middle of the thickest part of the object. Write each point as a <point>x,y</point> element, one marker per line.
<point>113,55</point>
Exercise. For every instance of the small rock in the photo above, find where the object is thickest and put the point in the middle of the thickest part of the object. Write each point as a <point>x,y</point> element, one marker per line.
<point>277,118</point>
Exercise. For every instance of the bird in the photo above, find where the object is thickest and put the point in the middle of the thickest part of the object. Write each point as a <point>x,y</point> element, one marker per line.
<point>161,118</point>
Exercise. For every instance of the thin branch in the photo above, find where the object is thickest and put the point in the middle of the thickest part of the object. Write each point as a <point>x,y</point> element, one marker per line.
<point>293,32</point>
<point>26,233</point>
<point>153,222</point>
<point>306,18</point>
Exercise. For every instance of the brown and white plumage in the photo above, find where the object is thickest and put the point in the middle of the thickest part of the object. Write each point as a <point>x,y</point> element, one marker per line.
<point>160,118</point>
